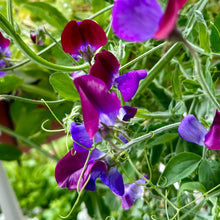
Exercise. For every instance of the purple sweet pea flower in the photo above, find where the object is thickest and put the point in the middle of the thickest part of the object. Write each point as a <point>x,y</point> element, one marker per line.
<point>80,135</point>
<point>4,53</point>
<point>127,112</point>
<point>133,192</point>
<point>140,20</point>
<point>98,104</point>
<point>69,169</point>
<point>193,131</point>
<point>106,68</point>
<point>82,38</point>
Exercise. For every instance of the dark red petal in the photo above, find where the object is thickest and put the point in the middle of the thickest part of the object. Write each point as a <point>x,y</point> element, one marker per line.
<point>106,67</point>
<point>71,38</point>
<point>168,21</point>
<point>93,34</point>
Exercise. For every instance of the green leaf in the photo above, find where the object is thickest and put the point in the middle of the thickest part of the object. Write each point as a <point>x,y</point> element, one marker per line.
<point>63,84</point>
<point>9,82</point>
<point>179,167</point>
<point>9,152</point>
<point>191,84</point>
<point>203,32</point>
<point>47,12</point>
<point>215,34</point>
<point>190,186</point>
<point>176,85</point>
<point>209,173</point>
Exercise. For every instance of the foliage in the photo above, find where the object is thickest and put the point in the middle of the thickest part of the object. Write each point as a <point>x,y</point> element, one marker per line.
<point>184,178</point>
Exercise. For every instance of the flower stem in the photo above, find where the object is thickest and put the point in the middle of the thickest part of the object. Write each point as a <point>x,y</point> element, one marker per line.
<point>31,101</point>
<point>10,12</point>
<point>6,26</point>
<point>203,83</point>
<point>149,135</point>
<point>142,56</point>
<point>27,141</point>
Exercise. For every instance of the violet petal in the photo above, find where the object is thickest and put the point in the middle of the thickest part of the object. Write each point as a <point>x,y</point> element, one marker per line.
<point>80,135</point>
<point>114,181</point>
<point>192,130</point>
<point>212,139</point>
<point>168,21</point>
<point>127,112</point>
<point>136,20</point>
<point>69,168</point>
<point>106,67</point>
<point>132,193</point>
<point>97,103</point>
<point>69,164</point>
<point>128,83</point>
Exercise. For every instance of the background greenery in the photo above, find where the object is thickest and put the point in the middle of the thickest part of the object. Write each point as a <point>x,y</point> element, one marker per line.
<point>173,89</point>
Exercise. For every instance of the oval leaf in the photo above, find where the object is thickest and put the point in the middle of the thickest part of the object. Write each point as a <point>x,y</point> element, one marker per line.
<point>9,152</point>
<point>9,82</point>
<point>179,167</point>
<point>209,173</point>
<point>63,84</point>
<point>190,186</point>
<point>47,12</point>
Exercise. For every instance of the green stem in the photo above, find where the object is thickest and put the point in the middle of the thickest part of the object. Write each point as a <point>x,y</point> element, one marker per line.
<point>39,91</point>
<point>54,43</point>
<point>205,87</point>
<point>200,197</point>
<point>10,12</point>
<point>155,71</point>
<point>83,170</point>
<point>27,60</point>
<point>6,26</point>
<point>152,185</point>
<point>149,135</point>
<point>142,56</point>
<point>101,12</point>
<point>27,141</point>
<point>32,101</point>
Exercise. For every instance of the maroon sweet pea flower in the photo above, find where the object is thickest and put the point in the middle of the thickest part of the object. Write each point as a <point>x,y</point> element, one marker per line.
<point>192,130</point>
<point>5,53</point>
<point>140,20</point>
<point>98,104</point>
<point>106,68</point>
<point>82,38</point>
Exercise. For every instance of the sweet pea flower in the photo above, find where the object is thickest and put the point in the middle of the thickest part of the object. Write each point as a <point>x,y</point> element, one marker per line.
<point>133,192</point>
<point>98,104</point>
<point>193,131</point>
<point>106,68</point>
<point>4,53</point>
<point>69,168</point>
<point>82,38</point>
<point>140,20</point>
